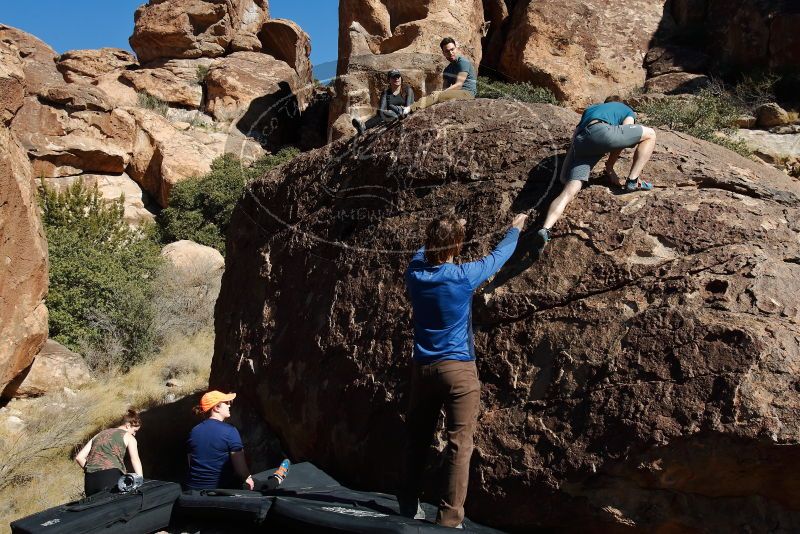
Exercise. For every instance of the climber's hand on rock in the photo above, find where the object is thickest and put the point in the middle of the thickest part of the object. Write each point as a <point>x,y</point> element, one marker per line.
<point>519,221</point>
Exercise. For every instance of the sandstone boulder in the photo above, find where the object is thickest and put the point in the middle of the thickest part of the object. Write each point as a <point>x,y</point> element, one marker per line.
<point>192,274</point>
<point>581,50</point>
<point>175,82</point>
<point>286,41</point>
<point>771,114</point>
<point>118,92</point>
<point>55,368</point>
<point>261,95</point>
<point>88,65</point>
<point>167,29</point>
<point>37,58</point>
<point>163,155</point>
<point>640,377</point>
<point>773,148</point>
<point>665,60</point>
<point>23,252</point>
<point>376,36</point>
<point>61,142</point>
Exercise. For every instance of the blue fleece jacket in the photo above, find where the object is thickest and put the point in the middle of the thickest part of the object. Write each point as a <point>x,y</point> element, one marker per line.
<point>441,298</point>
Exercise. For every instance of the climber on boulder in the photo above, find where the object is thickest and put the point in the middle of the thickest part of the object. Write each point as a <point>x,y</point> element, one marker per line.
<point>605,128</point>
<point>443,370</point>
<point>395,99</point>
<point>459,79</point>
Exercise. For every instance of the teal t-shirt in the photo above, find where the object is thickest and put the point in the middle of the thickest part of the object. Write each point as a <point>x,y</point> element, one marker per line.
<point>613,113</point>
<point>461,64</point>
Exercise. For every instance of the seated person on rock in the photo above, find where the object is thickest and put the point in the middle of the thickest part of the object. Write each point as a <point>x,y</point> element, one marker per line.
<point>459,78</point>
<point>216,453</point>
<point>443,373</point>
<point>395,100</point>
<point>103,457</point>
<point>605,128</point>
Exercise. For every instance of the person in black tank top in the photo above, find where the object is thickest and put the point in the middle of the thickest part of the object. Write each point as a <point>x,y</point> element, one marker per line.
<point>393,99</point>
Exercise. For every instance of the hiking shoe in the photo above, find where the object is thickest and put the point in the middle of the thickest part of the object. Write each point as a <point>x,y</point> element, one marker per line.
<point>541,239</point>
<point>411,509</point>
<point>637,184</point>
<point>360,128</point>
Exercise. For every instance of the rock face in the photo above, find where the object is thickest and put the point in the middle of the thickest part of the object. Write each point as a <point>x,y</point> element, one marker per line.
<point>640,377</point>
<point>743,34</point>
<point>55,368</point>
<point>23,253</point>
<point>582,51</point>
<point>196,28</point>
<point>376,36</point>
<point>163,156</point>
<point>286,41</point>
<point>38,61</point>
<point>88,65</point>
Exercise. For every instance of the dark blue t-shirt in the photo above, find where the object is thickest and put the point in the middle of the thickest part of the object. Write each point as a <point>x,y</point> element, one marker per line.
<point>613,113</point>
<point>441,297</point>
<point>461,64</point>
<point>210,446</point>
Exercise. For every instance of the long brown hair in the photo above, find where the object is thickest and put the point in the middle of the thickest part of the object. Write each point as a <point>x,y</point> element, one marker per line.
<point>443,239</point>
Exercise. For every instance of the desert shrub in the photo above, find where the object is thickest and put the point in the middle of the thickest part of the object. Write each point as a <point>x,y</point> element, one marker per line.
<point>201,73</point>
<point>524,91</point>
<point>101,269</point>
<point>712,110</point>
<point>753,90</point>
<point>148,101</point>
<point>201,208</point>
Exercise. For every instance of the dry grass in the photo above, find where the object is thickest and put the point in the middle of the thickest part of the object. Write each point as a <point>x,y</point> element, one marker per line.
<point>36,467</point>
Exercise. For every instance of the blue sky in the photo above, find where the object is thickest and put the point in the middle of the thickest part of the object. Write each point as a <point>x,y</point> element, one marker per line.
<point>75,24</point>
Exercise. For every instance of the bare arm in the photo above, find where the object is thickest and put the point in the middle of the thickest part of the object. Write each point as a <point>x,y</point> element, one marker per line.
<point>84,453</point>
<point>240,466</point>
<point>459,83</point>
<point>628,120</point>
<point>133,451</point>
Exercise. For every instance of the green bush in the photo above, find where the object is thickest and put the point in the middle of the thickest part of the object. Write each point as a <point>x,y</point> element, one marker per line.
<point>148,101</point>
<point>100,274</point>
<point>523,92</point>
<point>201,208</point>
<point>711,110</point>
<point>201,72</point>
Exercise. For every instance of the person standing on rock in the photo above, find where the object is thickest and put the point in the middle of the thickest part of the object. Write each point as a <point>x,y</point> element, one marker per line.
<point>216,453</point>
<point>103,457</point>
<point>459,79</point>
<point>605,128</point>
<point>444,371</point>
<point>395,99</point>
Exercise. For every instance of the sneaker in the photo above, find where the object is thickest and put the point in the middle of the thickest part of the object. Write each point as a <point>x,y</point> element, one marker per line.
<point>541,239</point>
<point>411,509</point>
<point>280,474</point>
<point>359,126</point>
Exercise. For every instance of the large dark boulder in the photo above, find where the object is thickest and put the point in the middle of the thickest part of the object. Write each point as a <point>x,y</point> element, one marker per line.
<point>641,376</point>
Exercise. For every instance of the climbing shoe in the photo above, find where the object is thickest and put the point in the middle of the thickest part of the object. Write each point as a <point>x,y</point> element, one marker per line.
<point>541,239</point>
<point>359,126</point>
<point>637,184</point>
<point>411,508</point>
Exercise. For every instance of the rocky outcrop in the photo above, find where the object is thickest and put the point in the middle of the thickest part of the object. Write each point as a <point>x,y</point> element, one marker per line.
<point>743,34</point>
<point>88,65</point>
<point>189,29</point>
<point>286,41</point>
<point>176,82</point>
<point>38,61</point>
<point>163,156</point>
<point>23,251</point>
<point>582,51</point>
<point>12,84</point>
<point>376,36</point>
<point>55,368</point>
<point>640,377</point>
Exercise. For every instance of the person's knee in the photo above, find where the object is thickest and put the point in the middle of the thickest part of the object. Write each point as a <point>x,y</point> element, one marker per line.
<point>648,134</point>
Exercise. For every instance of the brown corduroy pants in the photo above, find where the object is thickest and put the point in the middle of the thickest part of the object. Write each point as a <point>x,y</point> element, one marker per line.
<point>453,385</point>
